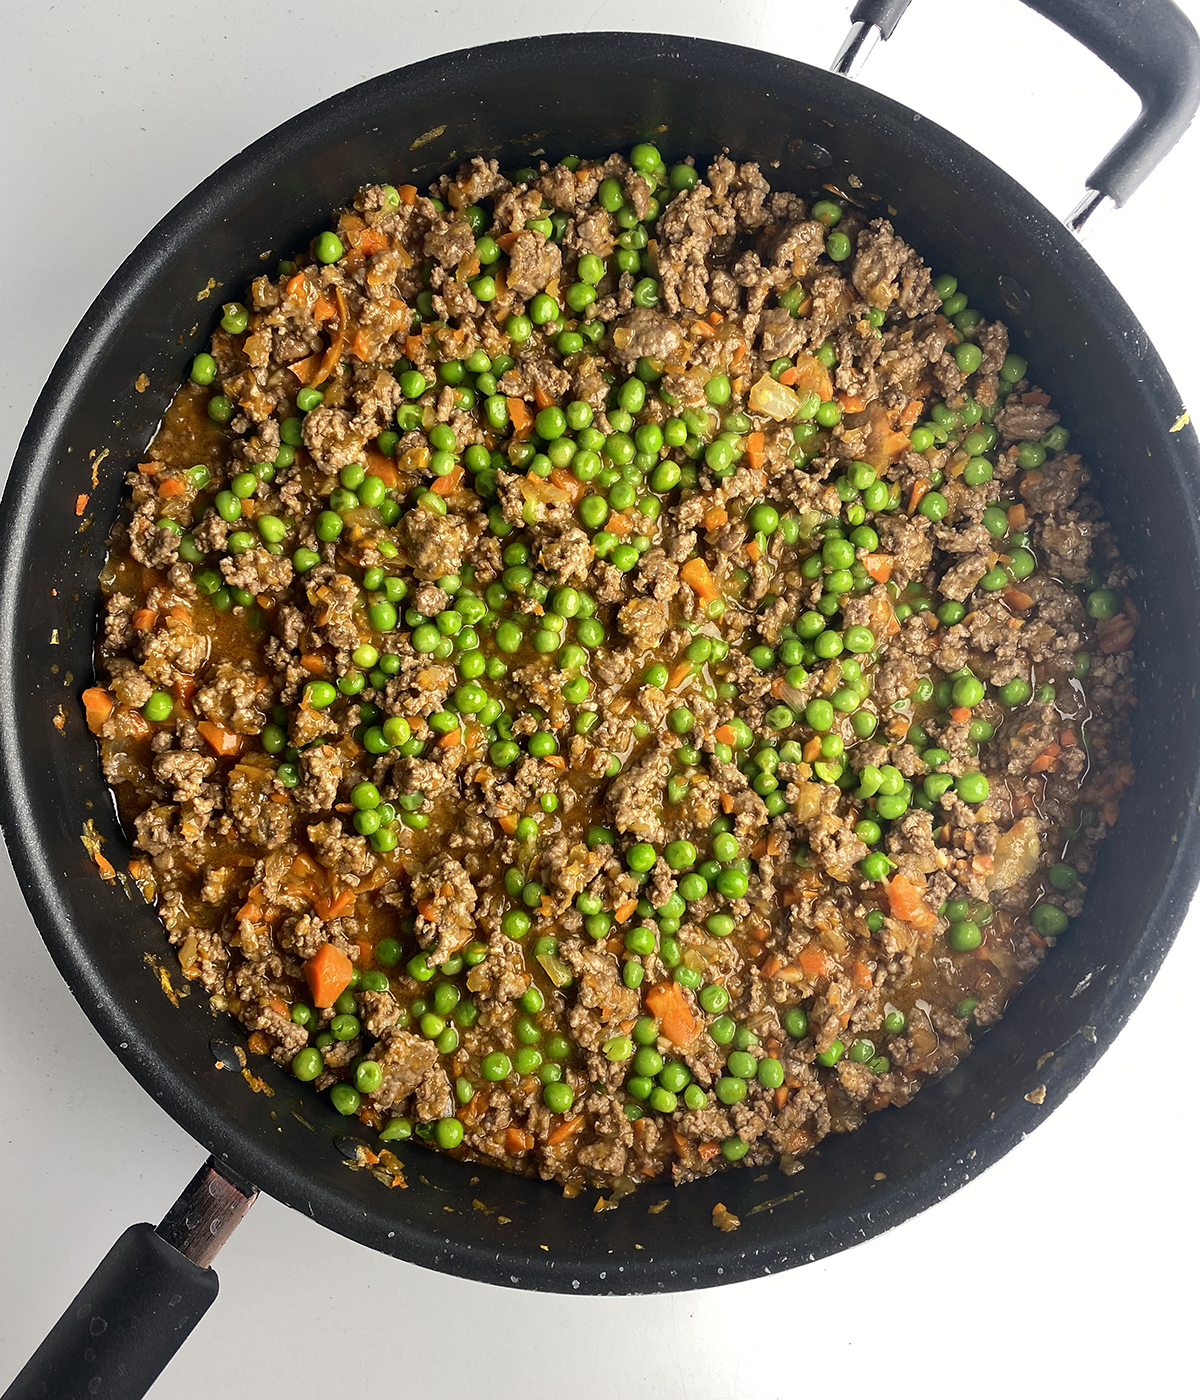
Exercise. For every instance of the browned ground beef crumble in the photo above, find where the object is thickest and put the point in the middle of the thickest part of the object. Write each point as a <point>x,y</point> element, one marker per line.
<point>527,961</point>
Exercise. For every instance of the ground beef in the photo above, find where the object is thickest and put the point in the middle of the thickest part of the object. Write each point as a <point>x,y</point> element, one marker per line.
<point>556,725</point>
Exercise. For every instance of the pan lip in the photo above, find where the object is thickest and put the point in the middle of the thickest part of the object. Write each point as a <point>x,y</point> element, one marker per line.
<point>337,117</point>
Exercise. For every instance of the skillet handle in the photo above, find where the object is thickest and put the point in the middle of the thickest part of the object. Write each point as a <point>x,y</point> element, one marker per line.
<point>141,1304</point>
<point>1149,43</point>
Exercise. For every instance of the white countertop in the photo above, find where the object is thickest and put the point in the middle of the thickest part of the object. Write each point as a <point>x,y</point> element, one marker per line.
<point>1072,1261</point>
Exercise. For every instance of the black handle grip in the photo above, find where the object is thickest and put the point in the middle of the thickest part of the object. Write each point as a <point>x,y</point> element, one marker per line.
<point>1151,44</point>
<point>125,1324</point>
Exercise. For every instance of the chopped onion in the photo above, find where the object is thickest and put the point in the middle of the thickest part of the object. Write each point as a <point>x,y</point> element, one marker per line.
<point>774,399</point>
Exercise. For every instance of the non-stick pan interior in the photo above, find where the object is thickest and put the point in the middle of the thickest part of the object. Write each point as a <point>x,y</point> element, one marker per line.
<point>592,94</point>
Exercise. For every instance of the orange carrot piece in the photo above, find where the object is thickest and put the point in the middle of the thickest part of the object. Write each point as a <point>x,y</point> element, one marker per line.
<point>324,309</point>
<point>1018,517</point>
<point>725,734</point>
<point>771,965</point>
<point>313,664</point>
<point>1017,598</point>
<point>143,619</point>
<point>369,241</point>
<point>851,403</point>
<point>696,574</point>
<point>1046,759</point>
<point>755,449</point>
<point>378,465</point>
<point>508,823</point>
<point>81,502</point>
<point>519,416</point>
<point>334,906</point>
<point>98,704</point>
<point>223,742</point>
<point>625,911</point>
<point>171,486</point>
<point>960,714</point>
<point>920,486</point>
<point>668,1004</point>
<point>715,517</point>
<point>450,740</point>
<point>328,973</point>
<point>618,524</point>
<point>812,749</point>
<point>905,902</point>
<point>407,193</point>
<point>564,1130</point>
<point>306,368</point>
<point>678,675</point>
<point>517,1140</point>
<point>568,482</point>
<point>860,975</point>
<point>447,485</point>
<point>878,566</point>
<point>816,962</point>
<point>506,241</point>
<point>753,553</point>
<point>541,397</point>
<point>295,285</point>
<point>911,413</point>
<point>1067,739</point>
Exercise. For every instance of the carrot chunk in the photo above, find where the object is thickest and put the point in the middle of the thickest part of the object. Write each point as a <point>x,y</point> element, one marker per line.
<point>328,974</point>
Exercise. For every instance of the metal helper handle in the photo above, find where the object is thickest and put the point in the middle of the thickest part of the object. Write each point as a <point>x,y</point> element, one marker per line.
<point>1150,44</point>
<point>141,1304</point>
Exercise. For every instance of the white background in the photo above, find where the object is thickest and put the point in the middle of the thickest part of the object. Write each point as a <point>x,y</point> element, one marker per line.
<point>1069,1268</point>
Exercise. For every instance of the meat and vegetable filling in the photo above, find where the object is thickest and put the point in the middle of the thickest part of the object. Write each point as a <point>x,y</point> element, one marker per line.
<point>611,669</point>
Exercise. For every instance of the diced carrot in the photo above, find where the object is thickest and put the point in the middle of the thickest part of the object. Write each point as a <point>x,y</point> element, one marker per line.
<point>678,675</point>
<point>1046,759</point>
<point>755,449</point>
<point>295,285</point>
<point>725,734</point>
<point>667,1002</point>
<point>1017,598</point>
<point>625,911</point>
<point>369,241</point>
<point>816,962</point>
<point>564,1130</point>
<point>324,309</point>
<point>696,574</point>
<point>306,368</point>
<point>149,468</point>
<point>450,740</point>
<point>812,749</point>
<point>556,760</point>
<point>618,524</point>
<point>715,517</point>
<point>447,485</point>
<point>81,502</point>
<point>878,566</point>
<point>520,417</point>
<point>905,902</point>
<point>223,742</point>
<point>362,346</point>
<point>960,714</point>
<point>726,802</point>
<point>1018,517</point>
<point>171,486</point>
<point>413,345</point>
<point>98,704</point>
<point>427,910</point>
<point>378,465</point>
<point>334,906</point>
<point>143,619</point>
<point>517,1140</point>
<point>541,397</point>
<point>753,553</point>
<point>506,240</point>
<point>708,1150</point>
<point>851,403</point>
<point>313,664</point>
<point>920,486</point>
<point>860,975</point>
<point>407,193</point>
<point>911,413</point>
<point>508,823</point>
<point>278,1005</point>
<point>771,965</point>
<point>250,912</point>
<point>328,973</point>
<point>780,1097</point>
<point>568,482</point>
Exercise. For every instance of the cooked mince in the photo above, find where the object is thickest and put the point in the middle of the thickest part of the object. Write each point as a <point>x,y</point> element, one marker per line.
<point>612,669</point>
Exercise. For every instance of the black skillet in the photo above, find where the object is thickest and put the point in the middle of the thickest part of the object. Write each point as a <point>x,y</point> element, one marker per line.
<point>590,93</point>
